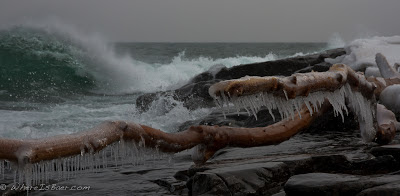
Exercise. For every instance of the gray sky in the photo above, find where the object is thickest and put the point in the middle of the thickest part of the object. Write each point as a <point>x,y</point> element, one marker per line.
<point>213,20</point>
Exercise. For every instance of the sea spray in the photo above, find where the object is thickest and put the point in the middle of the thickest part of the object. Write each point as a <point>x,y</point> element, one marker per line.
<point>48,62</point>
<point>335,41</point>
<point>361,53</point>
<point>168,114</point>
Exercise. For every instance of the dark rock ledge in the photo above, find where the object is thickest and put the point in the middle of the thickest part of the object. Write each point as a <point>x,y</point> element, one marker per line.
<point>295,174</point>
<point>342,184</point>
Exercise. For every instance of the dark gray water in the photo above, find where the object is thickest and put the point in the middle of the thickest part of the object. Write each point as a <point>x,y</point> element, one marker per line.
<point>165,52</point>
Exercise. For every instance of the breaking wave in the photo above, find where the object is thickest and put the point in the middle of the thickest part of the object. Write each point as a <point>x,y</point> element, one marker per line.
<point>45,62</point>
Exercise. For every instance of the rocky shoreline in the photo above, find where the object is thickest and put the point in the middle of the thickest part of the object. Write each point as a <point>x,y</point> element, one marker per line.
<point>329,158</point>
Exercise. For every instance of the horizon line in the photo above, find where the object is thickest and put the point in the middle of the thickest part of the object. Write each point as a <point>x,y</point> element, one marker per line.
<point>252,42</point>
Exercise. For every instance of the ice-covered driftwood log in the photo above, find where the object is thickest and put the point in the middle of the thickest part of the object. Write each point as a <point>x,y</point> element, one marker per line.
<point>299,98</point>
<point>287,94</point>
<point>209,139</point>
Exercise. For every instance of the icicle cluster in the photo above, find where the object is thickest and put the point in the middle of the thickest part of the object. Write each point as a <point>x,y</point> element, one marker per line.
<point>121,153</point>
<point>365,112</point>
<point>288,107</point>
<point>4,166</point>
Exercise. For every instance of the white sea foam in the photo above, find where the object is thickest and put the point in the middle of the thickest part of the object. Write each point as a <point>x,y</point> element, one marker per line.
<point>168,114</point>
<point>361,52</point>
<point>181,70</point>
<point>165,113</point>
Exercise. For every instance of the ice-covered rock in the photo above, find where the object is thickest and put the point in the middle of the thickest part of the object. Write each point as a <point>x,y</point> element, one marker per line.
<point>390,97</point>
<point>360,53</point>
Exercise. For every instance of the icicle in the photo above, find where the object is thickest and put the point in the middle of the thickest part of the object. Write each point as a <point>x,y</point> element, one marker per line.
<point>290,109</point>
<point>245,107</point>
<point>253,106</point>
<point>363,108</point>
<point>337,101</point>
<point>236,104</point>
<point>15,176</point>
<point>116,152</point>
<point>2,168</point>
<point>223,113</point>
<point>269,105</point>
<point>104,160</point>
<point>20,173</point>
<point>297,107</point>
<point>286,95</point>
<point>216,102</point>
<point>125,152</point>
<point>224,99</point>
<point>308,106</point>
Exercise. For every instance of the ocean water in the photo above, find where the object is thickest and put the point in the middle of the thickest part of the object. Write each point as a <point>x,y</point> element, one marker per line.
<point>56,80</point>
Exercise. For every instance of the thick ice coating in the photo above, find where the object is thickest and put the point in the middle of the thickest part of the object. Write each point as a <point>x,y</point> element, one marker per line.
<point>287,107</point>
<point>122,153</point>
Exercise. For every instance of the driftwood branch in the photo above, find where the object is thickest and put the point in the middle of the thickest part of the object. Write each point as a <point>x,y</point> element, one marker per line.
<point>301,84</point>
<point>386,121</point>
<point>209,139</point>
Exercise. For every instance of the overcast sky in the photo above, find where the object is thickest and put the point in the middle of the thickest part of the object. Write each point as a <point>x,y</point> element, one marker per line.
<point>213,20</point>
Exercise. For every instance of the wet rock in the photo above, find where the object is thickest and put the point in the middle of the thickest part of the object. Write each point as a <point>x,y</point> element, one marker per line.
<point>320,67</point>
<point>284,67</point>
<point>143,102</point>
<point>329,163</point>
<point>321,184</point>
<point>387,189</point>
<point>378,165</point>
<point>334,184</point>
<point>182,175</point>
<point>205,76</point>
<point>393,150</point>
<point>174,187</point>
<point>267,175</point>
<point>247,179</point>
<point>205,183</point>
<point>280,193</point>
